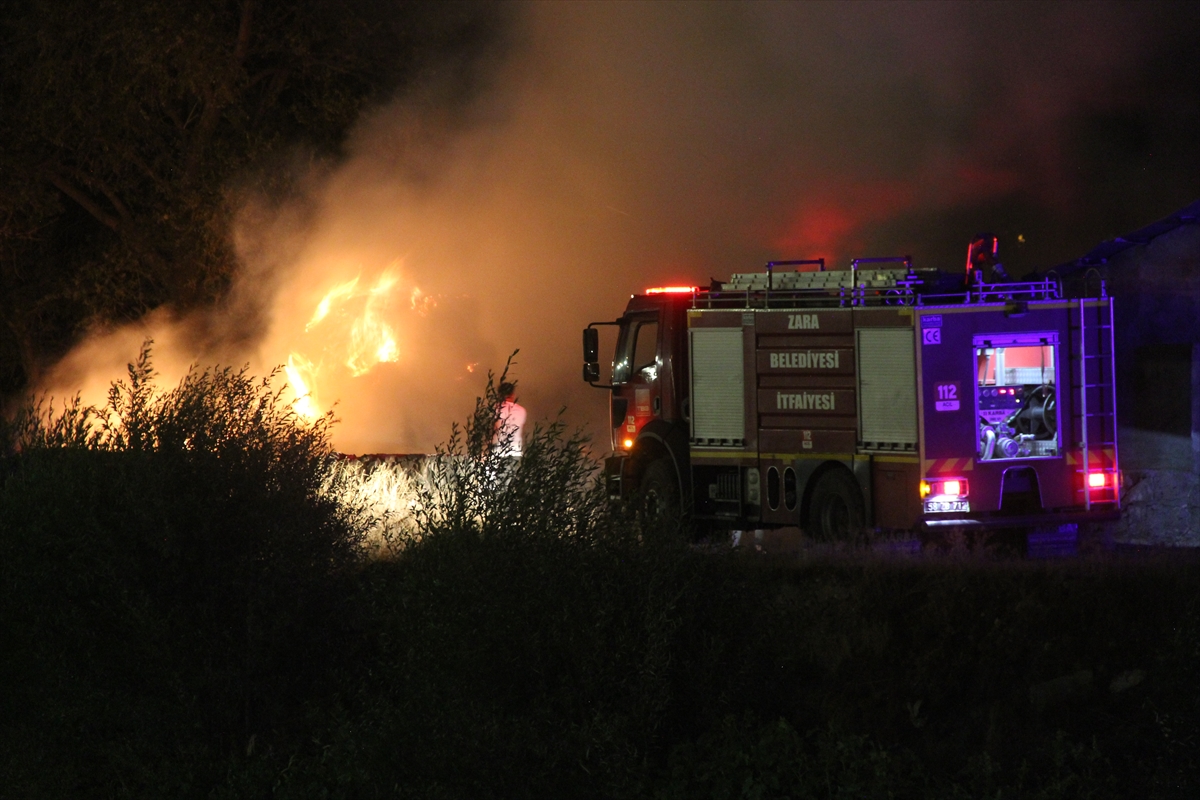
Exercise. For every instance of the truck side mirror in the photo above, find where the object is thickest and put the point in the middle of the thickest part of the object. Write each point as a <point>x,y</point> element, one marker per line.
<point>591,346</point>
<point>591,355</point>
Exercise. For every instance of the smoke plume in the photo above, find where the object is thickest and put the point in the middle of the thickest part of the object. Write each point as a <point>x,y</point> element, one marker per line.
<point>623,145</point>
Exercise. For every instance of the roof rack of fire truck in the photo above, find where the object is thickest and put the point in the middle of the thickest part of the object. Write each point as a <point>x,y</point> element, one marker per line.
<point>866,283</point>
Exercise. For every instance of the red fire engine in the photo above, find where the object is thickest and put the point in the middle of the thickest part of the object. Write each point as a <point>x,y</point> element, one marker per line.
<point>876,396</point>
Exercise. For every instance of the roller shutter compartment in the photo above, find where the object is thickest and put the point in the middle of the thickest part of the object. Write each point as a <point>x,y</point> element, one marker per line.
<point>887,389</point>
<point>718,387</point>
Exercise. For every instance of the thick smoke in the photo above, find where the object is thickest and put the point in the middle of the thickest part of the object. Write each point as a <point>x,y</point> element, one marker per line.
<point>624,145</point>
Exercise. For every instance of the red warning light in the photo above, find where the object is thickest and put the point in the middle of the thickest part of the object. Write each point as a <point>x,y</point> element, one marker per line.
<point>945,487</point>
<point>673,290</point>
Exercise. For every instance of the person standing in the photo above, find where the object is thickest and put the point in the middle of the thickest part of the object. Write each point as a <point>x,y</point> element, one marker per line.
<point>983,260</point>
<point>510,423</point>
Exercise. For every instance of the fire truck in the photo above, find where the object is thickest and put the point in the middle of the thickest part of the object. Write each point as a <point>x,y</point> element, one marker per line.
<point>879,396</point>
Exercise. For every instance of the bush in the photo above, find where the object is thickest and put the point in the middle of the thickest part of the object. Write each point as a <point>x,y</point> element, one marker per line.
<point>173,575</point>
<point>473,488</point>
<point>526,640</point>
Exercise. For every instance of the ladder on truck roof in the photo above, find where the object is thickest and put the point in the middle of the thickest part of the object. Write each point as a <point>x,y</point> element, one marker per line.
<point>1094,409</point>
<point>868,282</point>
<point>817,287</point>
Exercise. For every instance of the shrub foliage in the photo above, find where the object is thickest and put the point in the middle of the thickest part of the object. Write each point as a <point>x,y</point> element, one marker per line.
<point>188,611</point>
<point>169,557</point>
<point>473,487</point>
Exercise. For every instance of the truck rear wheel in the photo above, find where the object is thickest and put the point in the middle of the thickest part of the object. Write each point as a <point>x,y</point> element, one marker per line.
<point>660,490</point>
<point>836,508</point>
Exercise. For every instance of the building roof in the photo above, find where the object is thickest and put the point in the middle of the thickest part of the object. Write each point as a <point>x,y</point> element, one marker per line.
<point>1101,253</point>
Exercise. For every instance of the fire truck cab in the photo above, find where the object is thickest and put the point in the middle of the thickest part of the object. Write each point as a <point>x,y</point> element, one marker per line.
<point>879,396</point>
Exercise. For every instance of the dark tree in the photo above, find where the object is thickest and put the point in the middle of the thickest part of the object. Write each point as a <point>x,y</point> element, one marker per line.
<point>123,126</point>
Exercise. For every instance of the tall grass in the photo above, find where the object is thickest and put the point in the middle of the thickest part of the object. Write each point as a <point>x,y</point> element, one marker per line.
<point>387,494</point>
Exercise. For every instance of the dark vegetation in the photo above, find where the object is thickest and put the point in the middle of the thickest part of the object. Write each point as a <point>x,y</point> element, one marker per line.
<point>186,612</point>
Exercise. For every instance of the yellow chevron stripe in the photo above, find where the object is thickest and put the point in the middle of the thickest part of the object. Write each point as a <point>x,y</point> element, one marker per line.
<point>943,466</point>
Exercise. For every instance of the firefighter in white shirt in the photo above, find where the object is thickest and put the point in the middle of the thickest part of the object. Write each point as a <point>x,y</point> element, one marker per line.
<point>510,422</point>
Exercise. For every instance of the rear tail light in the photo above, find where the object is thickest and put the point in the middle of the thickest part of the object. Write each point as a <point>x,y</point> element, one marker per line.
<point>949,488</point>
<point>1105,480</point>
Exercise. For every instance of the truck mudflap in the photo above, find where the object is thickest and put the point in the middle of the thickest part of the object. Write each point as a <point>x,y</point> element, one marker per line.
<point>942,522</point>
<point>614,476</point>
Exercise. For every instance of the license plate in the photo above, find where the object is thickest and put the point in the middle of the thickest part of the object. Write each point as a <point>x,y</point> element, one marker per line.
<point>942,506</point>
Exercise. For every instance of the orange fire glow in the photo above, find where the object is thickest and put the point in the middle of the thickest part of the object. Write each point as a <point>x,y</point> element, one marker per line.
<point>351,331</point>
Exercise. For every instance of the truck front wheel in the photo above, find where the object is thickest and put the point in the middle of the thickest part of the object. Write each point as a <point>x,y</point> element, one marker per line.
<point>836,508</point>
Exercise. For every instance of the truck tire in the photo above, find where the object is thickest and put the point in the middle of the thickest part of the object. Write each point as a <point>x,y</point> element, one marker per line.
<point>660,490</point>
<point>835,510</point>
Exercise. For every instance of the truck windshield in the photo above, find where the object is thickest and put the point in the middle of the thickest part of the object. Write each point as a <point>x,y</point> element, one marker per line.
<point>637,351</point>
<point>1016,380</point>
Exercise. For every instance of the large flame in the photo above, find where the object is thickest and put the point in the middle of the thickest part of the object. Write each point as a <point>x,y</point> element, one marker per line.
<point>349,330</point>
<point>301,373</point>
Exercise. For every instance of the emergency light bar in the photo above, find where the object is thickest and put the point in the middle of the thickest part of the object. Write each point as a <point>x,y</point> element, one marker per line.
<point>673,290</point>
